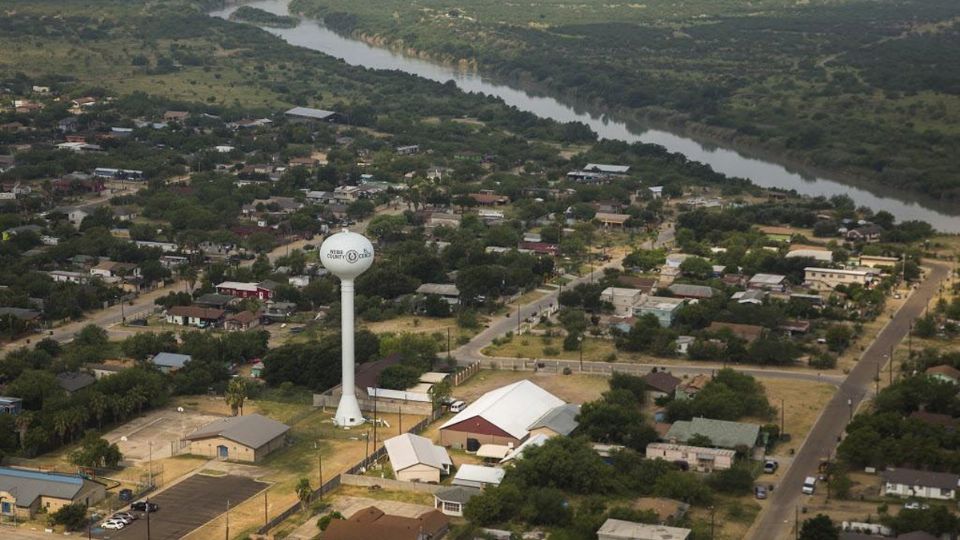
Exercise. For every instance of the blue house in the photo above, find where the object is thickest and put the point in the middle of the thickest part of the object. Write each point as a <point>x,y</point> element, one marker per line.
<point>10,405</point>
<point>169,362</point>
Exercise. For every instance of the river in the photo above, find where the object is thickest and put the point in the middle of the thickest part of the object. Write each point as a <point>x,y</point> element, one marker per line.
<point>312,34</point>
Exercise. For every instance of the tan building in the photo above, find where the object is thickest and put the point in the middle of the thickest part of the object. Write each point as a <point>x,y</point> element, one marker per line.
<point>696,457</point>
<point>827,279</point>
<point>238,438</point>
<point>876,261</point>
<point>623,299</point>
<point>416,459</point>
<point>24,492</point>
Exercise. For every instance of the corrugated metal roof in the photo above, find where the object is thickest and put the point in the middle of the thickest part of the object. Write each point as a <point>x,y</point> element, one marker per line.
<point>722,433</point>
<point>562,419</point>
<point>479,473</point>
<point>408,450</point>
<point>169,359</point>
<point>511,408</point>
<point>26,486</point>
<point>253,430</point>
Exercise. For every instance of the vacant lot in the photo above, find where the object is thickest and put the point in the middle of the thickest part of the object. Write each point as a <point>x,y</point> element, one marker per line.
<point>156,432</point>
<point>571,388</point>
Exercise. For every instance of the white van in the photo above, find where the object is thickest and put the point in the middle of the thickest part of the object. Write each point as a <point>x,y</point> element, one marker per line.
<point>809,485</point>
<point>458,406</point>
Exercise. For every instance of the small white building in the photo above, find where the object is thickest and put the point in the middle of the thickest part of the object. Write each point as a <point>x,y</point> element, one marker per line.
<point>618,529</point>
<point>478,476</point>
<point>417,459</point>
<point>699,458</point>
<point>922,484</point>
<point>623,299</point>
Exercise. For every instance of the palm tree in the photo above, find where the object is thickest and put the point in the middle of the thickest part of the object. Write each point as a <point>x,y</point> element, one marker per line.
<point>98,407</point>
<point>304,492</point>
<point>61,424</point>
<point>236,394</point>
<point>23,421</point>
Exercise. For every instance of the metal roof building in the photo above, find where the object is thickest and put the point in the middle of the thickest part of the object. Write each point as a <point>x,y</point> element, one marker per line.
<point>478,476</point>
<point>722,433</point>
<point>417,459</point>
<point>26,491</point>
<point>241,438</point>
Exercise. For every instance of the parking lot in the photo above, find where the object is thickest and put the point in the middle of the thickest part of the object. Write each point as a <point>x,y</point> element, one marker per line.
<point>188,505</point>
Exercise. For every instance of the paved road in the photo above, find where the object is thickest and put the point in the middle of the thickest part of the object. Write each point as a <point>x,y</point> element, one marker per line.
<point>471,352</point>
<point>776,522</point>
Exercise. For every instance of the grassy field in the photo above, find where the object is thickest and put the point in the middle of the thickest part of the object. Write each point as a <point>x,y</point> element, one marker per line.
<point>531,346</point>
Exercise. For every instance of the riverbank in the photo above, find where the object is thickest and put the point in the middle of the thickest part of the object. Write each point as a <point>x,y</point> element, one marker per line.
<point>724,151</point>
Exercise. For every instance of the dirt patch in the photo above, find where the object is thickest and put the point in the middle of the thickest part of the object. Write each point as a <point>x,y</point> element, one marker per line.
<point>570,388</point>
<point>156,433</point>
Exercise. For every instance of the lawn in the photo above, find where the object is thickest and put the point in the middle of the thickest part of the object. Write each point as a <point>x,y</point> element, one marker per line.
<point>802,402</point>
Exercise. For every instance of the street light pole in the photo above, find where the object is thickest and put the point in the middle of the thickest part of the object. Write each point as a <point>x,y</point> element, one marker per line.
<point>580,343</point>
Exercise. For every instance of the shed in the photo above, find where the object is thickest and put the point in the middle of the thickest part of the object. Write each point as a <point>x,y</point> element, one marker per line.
<point>478,476</point>
<point>417,459</point>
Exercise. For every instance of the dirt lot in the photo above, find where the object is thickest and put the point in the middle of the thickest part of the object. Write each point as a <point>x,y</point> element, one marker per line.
<point>571,388</point>
<point>188,505</point>
<point>157,429</point>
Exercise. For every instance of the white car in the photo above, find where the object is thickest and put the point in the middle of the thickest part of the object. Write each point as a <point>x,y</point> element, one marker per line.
<point>916,505</point>
<point>125,517</point>
<point>113,524</point>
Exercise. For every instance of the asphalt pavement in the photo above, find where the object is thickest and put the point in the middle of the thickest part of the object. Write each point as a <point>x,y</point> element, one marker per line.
<point>776,522</point>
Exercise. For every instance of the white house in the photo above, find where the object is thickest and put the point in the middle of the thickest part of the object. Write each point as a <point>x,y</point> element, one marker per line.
<point>478,476</point>
<point>922,484</point>
<point>417,459</point>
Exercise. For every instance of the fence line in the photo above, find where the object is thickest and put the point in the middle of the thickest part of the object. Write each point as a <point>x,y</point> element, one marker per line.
<point>336,481</point>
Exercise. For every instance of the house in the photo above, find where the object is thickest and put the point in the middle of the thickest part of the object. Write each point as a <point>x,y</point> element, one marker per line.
<point>451,501</point>
<point>256,370</point>
<point>306,114</point>
<point>944,373</point>
<point>416,459</point>
<point>243,321</point>
<point>24,493</point>
<point>112,269</point>
<point>778,234</point>
<point>447,291</point>
<point>175,116</point>
<point>622,299</point>
<point>827,279</point>
<point>746,332</point>
<point>373,523</point>
<point>694,292</point>
<point>868,233</point>
<point>63,276</point>
<point>753,296</point>
<point>793,327</point>
<point>817,253</point>
<point>441,219</point>
<point>690,388</point>
<point>945,421</point>
<point>489,199</point>
<point>722,433</point>
<point>100,371</point>
<point>239,438</point>
<point>279,311</point>
<point>618,529</point>
<point>75,215</point>
<point>560,420</point>
<point>214,300</point>
<point>613,170</point>
<point>768,282</point>
<point>684,343</point>
<point>10,405</point>
<point>643,284</point>
<point>72,382</point>
<point>607,219</point>
<point>663,308</point>
<point>501,416</point>
<point>478,476</point>
<point>656,191</point>
<point>200,317</point>
<point>698,458</point>
<point>876,261</point>
<point>660,384</point>
<point>169,362</point>
<point>922,484</point>
<point>539,248</point>
<point>666,510</point>
<point>262,291</point>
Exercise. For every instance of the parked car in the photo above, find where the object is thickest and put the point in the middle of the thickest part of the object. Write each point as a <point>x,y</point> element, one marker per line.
<point>770,466</point>
<point>125,495</point>
<point>809,485</point>
<point>458,406</point>
<point>144,506</point>
<point>127,517</point>
<point>916,505</point>
<point>760,492</point>
<point>113,524</point>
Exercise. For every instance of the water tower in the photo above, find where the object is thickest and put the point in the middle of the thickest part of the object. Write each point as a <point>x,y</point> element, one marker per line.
<point>347,255</point>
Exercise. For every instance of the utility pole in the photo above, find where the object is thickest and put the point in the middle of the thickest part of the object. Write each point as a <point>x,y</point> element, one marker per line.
<point>448,343</point>
<point>580,342</point>
<point>150,464</point>
<point>147,503</point>
<point>368,445</point>
<point>227,535</point>
<point>265,519</point>
<point>518,316</point>
<point>783,428</point>
<point>400,420</point>
<point>713,513</point>
<point>320,473</point>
